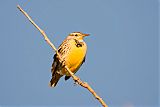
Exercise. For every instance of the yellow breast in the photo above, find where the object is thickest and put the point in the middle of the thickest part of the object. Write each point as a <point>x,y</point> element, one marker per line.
<point>75,57</point>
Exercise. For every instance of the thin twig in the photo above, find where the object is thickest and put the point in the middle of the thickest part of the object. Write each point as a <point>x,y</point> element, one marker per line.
<point>75,78</point>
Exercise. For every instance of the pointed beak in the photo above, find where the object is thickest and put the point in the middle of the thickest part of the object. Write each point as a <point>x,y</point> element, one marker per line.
<point>86,35</point>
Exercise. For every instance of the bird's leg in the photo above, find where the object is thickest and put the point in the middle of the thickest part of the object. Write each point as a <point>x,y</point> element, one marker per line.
<point>76,81</point>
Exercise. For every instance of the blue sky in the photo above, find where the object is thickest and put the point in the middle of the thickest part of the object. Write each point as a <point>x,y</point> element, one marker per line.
<point>122,58</point>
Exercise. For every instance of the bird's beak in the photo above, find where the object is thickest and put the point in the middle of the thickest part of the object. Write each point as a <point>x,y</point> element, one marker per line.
<point>86,35</point>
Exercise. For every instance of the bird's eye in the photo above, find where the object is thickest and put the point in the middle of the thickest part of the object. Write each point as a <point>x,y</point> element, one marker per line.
<point>76,35</point>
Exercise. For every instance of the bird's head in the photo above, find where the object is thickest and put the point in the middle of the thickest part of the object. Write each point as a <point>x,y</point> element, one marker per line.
<point>77,35</point>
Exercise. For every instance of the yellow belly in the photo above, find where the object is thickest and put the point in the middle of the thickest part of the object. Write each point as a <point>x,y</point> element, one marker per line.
<point>75,58</point>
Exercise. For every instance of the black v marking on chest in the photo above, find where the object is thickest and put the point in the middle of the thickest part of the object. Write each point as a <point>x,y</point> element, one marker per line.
<point>78,44</point>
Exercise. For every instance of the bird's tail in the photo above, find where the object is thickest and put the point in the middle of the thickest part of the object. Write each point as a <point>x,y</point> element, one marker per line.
<point>55,79</point>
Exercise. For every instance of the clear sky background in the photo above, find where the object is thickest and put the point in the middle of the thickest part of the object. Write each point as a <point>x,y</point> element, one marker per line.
<point>122,58</point>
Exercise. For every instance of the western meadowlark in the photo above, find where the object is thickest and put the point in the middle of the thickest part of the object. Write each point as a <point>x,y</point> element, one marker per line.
<point>72,51</point>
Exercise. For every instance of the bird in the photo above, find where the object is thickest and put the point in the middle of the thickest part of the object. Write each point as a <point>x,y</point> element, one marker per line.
<point>73,53</point>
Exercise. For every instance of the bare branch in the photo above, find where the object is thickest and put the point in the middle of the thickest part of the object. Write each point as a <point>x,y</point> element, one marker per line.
<point>75,78</point>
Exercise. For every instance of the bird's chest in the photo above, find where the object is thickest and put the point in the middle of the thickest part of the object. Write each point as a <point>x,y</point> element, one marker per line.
<point>76,56</point>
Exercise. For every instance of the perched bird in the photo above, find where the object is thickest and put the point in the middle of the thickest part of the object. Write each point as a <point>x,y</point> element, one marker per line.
<point>72,51</point>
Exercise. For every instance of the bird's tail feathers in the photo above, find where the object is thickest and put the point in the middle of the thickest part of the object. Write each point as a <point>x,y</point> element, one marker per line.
<point>55,79</point>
